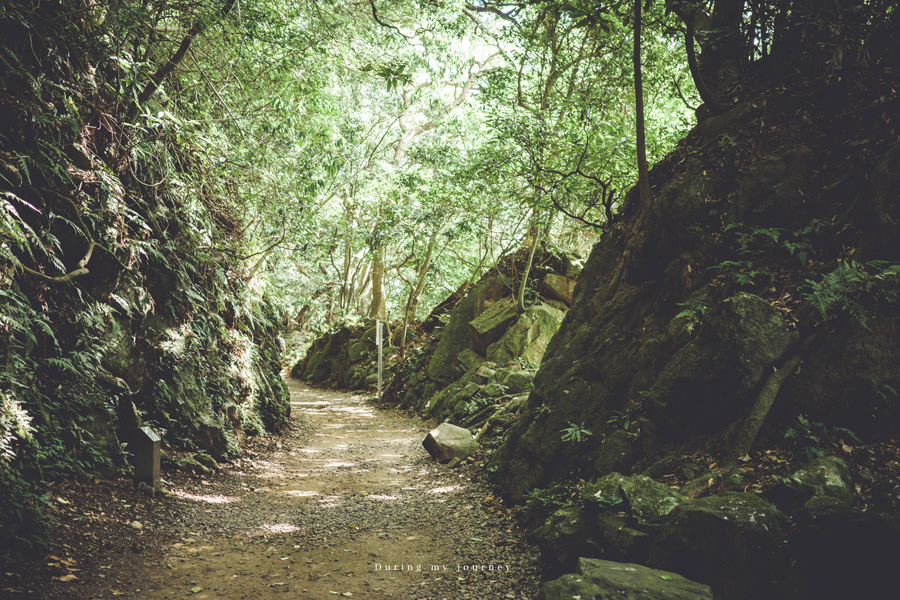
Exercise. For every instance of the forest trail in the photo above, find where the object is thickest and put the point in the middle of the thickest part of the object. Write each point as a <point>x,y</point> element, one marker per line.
<point>333,509</point>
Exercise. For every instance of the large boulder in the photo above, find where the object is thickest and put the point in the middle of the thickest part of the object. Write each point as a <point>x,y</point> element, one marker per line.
<point>528,337</point>
<point>211,436</point>
<point>597,579</point>
<point>619,539</point>
<point>849,378</point>
<point>448,442</point>
<point>647,501</point>
<point>770,191</point>
<point>360,350</point>
<point>826,477</point>
<point>616,453</point>
<point>559,287</point>
<point>326,358</point>
<point>712,379</point>
<point>563,537</point>
<point>842,552</point>
<point>489,326</point>
<point>733,542</point>
<point>516,379</point>
<point>444,365</point>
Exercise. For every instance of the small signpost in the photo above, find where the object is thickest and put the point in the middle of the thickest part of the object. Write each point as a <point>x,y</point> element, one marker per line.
<point>146,446</point>
<point>378,342</point>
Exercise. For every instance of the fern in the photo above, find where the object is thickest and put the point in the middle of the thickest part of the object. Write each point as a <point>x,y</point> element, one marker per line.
<point>844,290</point>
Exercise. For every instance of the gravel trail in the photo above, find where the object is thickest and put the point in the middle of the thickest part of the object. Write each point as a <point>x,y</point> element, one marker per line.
<point>348,505</point>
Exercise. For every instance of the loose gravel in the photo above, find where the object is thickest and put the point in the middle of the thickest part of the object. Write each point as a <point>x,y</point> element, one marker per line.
<point>348,504</point>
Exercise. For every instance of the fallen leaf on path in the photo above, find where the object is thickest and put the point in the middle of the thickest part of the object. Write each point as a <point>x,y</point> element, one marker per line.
<point>196,590</point>
<point>68,577</point>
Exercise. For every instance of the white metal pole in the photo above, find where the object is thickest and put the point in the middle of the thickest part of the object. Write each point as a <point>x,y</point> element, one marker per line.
<point>378,342</point>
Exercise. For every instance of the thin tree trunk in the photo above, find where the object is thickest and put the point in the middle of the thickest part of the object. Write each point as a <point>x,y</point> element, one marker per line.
<point>643,169</point>
<point>520,299</point>
<point>413,302</point>
<point>761,408</point>
<point>709,99</point>
<point>164,71</point>
<point>346,284</point>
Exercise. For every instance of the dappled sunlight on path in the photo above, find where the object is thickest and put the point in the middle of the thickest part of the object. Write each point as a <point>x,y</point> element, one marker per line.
<point>332,508</point>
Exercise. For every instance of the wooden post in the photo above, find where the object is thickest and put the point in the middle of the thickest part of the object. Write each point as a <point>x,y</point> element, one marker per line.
<point>379,342</point>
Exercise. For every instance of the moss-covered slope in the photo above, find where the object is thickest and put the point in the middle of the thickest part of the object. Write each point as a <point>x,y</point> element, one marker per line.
<point>121,302</point>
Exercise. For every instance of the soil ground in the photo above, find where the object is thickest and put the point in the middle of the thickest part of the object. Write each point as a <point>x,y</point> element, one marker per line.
<point>347,504</point>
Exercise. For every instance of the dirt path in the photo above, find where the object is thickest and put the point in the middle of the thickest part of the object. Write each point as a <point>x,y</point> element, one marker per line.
<point>349,505</point>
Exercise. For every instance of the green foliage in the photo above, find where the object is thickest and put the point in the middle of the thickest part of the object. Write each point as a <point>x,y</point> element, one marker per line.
<point>575,433</point>
<point>162,209</point>
<point>692,312</point>
<point>887,395</point>
<point>854,289</point>
<point>540,503</point>
<point>745,272</point>
<point>625,418</point>
<point>611,504</point>
<point>814,438</point>
<point>753,241</point>
<point>25,512</point>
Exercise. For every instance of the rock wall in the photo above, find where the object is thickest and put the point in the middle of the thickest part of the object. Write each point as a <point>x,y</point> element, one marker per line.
<point>770,235</point>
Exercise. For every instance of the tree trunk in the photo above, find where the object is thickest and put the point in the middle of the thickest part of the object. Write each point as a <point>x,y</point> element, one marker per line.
<point>726,47</point>
<point>643,169</point>
<point>709,99</point>
<point>346,284</point>
<point>761,408</point>
<point>413,302</point>
<point>520,299</point>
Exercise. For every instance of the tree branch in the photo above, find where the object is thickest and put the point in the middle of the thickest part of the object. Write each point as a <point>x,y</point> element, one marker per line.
<point>383,24</point>
<point>487,8</point>
<point>157,78</point>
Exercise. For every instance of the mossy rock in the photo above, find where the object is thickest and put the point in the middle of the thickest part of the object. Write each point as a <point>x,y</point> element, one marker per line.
<point>619,540</point>
<point>824,477</point>
<point>468,359</point>
<point>206,460</point>
<point>528,337</point>
<point>645,500</point>
<point>445,365</point>
<point>359,351</point>
<point>732,541</point>
<point>490,325</point>
<point>518,380</point>
<point>615,454</point>
<point>605,580</point>
<point>562,538</point>
<point>559,287</point>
